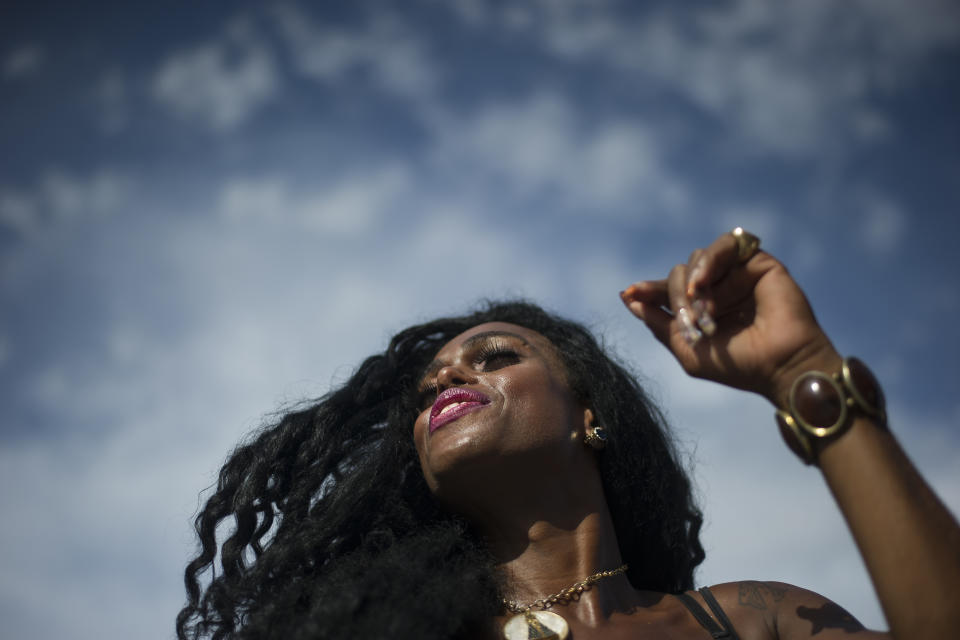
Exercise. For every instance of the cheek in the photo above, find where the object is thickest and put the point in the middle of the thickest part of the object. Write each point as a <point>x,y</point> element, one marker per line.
<point>420,431</point>
<point>541,400</point>
<point>421,435</point>
<point>420,428</point>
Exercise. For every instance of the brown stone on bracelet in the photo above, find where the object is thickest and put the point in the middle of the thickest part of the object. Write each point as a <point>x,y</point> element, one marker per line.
<point>863,387</point>
<point>821,405</point>
<point>817,403</point>
<point>791,434</point>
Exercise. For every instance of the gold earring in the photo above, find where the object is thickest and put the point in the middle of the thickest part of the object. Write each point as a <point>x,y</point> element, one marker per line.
<point>596,438</point>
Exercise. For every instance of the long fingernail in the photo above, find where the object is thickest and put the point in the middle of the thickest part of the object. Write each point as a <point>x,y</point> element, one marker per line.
<point>695,275</point>
<point>704,319</point>
<point>688,329</point>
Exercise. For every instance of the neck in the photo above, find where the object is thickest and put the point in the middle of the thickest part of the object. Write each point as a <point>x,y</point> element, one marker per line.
<point>549,542</point>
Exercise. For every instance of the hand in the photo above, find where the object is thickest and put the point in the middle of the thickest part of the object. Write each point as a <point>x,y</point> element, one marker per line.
<point>747,325</point>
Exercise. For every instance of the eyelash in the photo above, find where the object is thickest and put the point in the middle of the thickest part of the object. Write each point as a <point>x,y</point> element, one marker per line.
<point>484,354</point>
<point>494,351</point>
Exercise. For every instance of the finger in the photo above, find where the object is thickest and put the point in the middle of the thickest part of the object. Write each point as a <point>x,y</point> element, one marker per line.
<point>680,304</point>
<point>656,319</point>
<point>653,292</point>
<point>703,309</point>
<point>713,263</point>
<point>695,256</point>
<point>737,287</point>
<point>701,305</point>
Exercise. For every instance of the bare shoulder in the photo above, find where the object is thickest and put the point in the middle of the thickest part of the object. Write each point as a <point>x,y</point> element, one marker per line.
<point>777,610</point>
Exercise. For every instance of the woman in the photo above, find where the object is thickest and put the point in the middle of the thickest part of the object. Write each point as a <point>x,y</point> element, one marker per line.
<point>497,475</point>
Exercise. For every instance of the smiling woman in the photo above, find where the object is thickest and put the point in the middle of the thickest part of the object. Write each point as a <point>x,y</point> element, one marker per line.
<point>349,540</point>
<point>499,475</point>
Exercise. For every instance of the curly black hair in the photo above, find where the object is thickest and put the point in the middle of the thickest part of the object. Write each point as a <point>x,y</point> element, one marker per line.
<point>335,534</point>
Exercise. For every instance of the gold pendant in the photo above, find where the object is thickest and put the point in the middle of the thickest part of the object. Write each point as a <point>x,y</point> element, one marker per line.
<point>542,625</point>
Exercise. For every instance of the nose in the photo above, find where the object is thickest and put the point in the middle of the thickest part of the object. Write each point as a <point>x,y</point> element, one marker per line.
<point>454,376</point>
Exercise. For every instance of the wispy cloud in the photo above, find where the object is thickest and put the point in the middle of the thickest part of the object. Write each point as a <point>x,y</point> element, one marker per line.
<point>788,77</point>
<point>221,83</point>
<point>883,227</point>
<point>541,145</point>
<point>24,61</point>
<point>60,197</point>
<point>385,49</point>
<point>352,204</point>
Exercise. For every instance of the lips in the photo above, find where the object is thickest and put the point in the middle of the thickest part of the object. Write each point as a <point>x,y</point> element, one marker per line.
<point>454,403</point>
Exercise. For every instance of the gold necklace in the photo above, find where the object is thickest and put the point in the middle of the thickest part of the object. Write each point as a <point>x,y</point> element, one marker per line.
<point>543,624</point>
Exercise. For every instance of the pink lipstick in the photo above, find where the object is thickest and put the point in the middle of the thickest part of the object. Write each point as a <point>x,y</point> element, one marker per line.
<point>454,403</point>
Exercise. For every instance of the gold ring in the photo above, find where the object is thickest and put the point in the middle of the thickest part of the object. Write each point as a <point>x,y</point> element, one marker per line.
<point>747,244</point>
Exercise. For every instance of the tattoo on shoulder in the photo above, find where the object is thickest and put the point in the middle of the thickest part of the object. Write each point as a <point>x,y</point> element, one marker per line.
<point>829,616</point>
<point>758,594</point>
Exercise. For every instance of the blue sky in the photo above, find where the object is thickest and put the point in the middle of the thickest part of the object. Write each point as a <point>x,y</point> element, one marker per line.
<point>209,212</point>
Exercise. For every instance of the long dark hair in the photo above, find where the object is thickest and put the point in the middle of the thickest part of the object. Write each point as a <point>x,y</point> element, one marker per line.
<point>335,534</point>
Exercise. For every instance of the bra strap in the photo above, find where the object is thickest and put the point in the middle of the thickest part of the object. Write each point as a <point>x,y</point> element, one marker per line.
<point>719,612</point>
<point>703,617</point>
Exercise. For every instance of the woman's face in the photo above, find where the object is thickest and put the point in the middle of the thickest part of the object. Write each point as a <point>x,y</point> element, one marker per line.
<point>494,402</point>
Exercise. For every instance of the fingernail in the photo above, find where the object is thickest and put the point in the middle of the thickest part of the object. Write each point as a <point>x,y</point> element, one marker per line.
<point>697,272</point>
<point>637,308</point>
<point>707,324</point>
<point>688,329</point>
<point>695,275</point>
<point>704,319</point>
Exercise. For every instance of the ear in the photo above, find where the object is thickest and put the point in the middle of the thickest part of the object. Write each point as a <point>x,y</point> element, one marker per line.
<point>589,420</point>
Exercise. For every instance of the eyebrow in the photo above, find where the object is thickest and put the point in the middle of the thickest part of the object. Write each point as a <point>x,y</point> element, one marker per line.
<point>436,365</point>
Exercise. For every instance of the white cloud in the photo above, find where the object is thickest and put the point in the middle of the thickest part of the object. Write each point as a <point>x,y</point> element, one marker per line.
<point>460,257</point>
<point>871,125</point>
<point>386,48</point>
<point>538,145</point>
<point>102,193</point>
<point>222,83</point>
<point>517,17</point>
<point>902,34</point>
<point>788,77</point>
<point>882,224</point>
<point>24,61</point>
<point>59,198</point>
<point>472,12</point>
<point>350,205</point>
<point>18,210</point>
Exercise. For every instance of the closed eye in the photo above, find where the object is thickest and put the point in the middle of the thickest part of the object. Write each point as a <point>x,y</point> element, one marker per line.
<point>493,356</point>
<point>488,356</point>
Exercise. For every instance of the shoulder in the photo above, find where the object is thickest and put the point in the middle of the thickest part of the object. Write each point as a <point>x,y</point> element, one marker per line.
<point>768,609</point>
<point>751,605</point>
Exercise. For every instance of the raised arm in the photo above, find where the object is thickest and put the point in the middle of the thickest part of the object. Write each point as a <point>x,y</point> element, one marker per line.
<point>736,316</point>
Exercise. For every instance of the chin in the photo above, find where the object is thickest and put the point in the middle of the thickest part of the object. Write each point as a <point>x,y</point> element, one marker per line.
<point>459,457</point>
